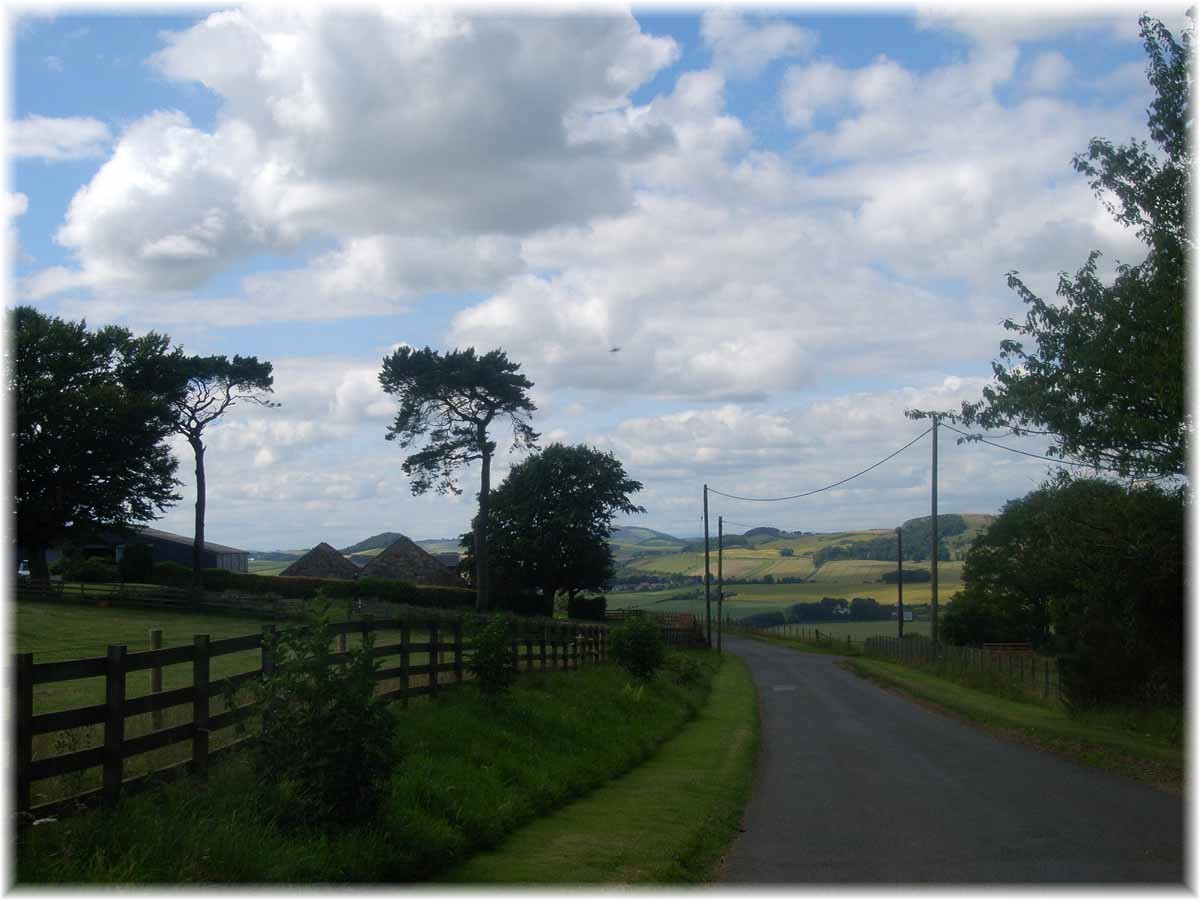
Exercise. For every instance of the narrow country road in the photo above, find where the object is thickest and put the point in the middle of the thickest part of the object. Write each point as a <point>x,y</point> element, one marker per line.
<point>859,785</point>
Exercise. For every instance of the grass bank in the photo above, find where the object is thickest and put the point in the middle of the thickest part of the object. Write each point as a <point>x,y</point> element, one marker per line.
<point>469,770</point>
<point>668,821</point>
<point>1144,745</point>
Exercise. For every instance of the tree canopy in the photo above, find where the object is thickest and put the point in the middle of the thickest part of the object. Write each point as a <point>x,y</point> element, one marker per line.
<point>214,384</point>
<point>92,414</point>
<point>551,517</point>
<point>1093,569</point>
<point>1104,376</point>
<point>450,401</point>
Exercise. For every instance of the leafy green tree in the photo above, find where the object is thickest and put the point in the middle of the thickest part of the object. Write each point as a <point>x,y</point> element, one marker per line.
<point>452,401</point>
<point>551,519</point>
<point>214,384</point>
<point>1105,377</point>
<point>1092,570</point>
<point>93,411</point>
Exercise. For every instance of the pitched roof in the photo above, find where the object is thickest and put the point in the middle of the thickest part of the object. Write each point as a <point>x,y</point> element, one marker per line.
<point>322,561</point>
<point>408,562</point>
<point>184,539</point>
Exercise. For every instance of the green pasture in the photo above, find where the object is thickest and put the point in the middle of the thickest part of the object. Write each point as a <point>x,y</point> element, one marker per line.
<point>842,578</point>
<point>266,566</point>
<point>54,631</point>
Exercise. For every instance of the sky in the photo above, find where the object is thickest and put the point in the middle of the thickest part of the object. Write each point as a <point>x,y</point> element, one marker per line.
<point>794,222</point>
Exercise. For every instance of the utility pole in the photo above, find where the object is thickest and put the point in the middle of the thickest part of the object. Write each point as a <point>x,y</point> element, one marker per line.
<point>933,565</point>
<point>900,580</point>
<point>707,601</point>
<point>720,577</point>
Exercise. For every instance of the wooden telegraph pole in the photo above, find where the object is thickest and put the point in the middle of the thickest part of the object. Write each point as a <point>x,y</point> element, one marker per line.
<point>900,581</point>
<point>720,577</point>
<point>933,565</point>
<point>707,601</point>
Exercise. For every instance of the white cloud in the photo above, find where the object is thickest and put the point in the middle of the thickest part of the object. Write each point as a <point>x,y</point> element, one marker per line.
<point>416,127</point>
<point>15,206</point>
<point>743,50</point>
<point>58,139</point>
<point>1049,71</point>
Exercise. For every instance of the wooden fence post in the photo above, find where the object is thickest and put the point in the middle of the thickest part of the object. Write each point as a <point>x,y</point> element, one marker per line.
<point>566,649</point>
<point>404,635</point>
<point>458,651</point>
<point>200,705</point>
<point>434,658</point>
<point>542,643</point>
<point>114,724</point>
<point>156,717</point>
<point>23,710</point>
<point>268,656</point>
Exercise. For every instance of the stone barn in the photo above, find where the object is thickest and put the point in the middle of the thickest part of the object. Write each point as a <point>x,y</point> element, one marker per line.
<point>408,562</point>
<point>323,561</point>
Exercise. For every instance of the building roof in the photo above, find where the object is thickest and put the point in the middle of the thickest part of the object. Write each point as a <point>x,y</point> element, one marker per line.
<point>408,562</point>
<point>183,539</point>
<point>322,561</point>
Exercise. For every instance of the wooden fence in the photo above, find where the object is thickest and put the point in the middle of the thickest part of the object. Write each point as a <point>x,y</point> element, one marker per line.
<point>1035,675</point>
<point>799,632</point>
<point>677,629</point>
<point>538,644</point>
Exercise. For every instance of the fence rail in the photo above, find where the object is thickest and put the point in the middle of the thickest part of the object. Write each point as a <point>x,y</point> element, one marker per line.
<point>537,645</point>
<point>1035,675</point>
<point>798,632</point>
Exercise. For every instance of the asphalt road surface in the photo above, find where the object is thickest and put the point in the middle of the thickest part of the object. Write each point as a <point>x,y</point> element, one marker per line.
<point>857,784</point>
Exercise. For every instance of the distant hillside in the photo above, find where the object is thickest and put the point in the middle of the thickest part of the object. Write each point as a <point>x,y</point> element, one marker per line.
<point>380,541</point>
<point>634,534</point>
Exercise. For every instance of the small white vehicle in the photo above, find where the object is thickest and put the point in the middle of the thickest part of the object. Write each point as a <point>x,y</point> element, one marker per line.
<point>23,569</point>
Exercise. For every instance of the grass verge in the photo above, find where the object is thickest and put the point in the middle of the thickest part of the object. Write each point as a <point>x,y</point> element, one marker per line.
<point>469,770</point>
<point>668,821</point>
<point>1107,739</point>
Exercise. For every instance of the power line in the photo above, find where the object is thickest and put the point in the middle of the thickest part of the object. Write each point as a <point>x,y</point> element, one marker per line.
<point>1064,462</point>
<point>828,486</point>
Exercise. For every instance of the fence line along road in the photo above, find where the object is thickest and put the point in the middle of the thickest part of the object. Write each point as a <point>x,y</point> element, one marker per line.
<point>537,645</point>
<point>1015,662</point>
<point>1037,676</point>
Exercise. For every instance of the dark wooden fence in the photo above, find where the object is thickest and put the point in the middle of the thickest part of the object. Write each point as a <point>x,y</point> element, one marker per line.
<point>798,632</point>
<point>677,629</point>
<point>1035,675</point>
<point>537,644</point>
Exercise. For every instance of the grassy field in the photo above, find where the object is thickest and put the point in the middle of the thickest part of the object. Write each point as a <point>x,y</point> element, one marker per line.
<point>54,631</point>
<point>468,770</point>
<point>266,566</point>
<point>841,578</point>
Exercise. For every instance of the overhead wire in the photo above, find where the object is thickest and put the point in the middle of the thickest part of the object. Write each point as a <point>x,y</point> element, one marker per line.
<point>1065,462</point>
<point>827,487</point>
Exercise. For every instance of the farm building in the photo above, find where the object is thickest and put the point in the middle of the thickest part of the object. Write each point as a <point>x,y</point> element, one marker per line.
<point>166,547</point>
<point>408,562</point>
<point>322,561</point>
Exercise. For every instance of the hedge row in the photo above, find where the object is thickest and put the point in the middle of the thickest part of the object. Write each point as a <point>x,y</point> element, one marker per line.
<point>387,589</point>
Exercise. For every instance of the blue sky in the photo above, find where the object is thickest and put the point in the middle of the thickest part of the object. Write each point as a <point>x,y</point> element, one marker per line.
<point>795,224</point>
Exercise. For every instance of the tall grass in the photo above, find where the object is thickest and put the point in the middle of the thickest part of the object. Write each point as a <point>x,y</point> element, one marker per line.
<point>469,769</point>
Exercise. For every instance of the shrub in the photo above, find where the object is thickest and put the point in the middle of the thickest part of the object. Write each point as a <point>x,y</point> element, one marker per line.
<point>326,737</point>
<point>171,573</point>
<point>637,646</point>
<point>589,608</point>
<point>523,603</point>
<point>136,563</point>
<point>218,579</point>
<point>91,570</point>
<point>685,670</point>
<point>492,661</point>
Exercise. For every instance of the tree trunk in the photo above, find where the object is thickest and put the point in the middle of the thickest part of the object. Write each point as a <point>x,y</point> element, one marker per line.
<point>39,571</point>
<point>482,599</point>
<point>198,540</point>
